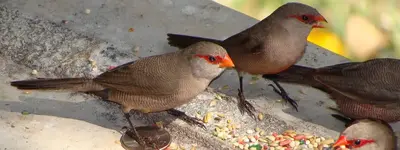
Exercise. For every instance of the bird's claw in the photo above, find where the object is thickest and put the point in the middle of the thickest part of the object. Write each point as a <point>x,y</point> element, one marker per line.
<point>189,120</point>
<point>139,139</point>
<point>285,96</point>
<point>194,121</point>
<point>245,106</point>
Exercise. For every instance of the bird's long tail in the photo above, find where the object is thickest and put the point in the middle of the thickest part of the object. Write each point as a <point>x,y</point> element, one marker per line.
<point>295,74</point>
<point>72,84</point>
<point>183,41</point>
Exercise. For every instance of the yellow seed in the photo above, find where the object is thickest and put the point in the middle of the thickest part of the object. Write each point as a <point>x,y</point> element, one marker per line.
<point>257,129</point>
<point>272,148</point>
<point>318,140</point>
<point>213,103</point>
<point>260,116</point>
<point>218,97</point>
<point>160,124</point>
<point>262,140</point>
<point>193,147</point>
<point>173,146</point>
<point>228,121</point>
<point>221,115</point>
<point>207,117</point>
<point>328,141</point>
<point>271,138</point>
<point>27,92</point>
<point>289,131</point>
<point>262,133</point>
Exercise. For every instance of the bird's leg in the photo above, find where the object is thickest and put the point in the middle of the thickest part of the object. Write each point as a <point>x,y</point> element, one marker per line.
<point>283,94</point>
<point>135,135</point>
<point>242,103</point>
<point>189,120</point>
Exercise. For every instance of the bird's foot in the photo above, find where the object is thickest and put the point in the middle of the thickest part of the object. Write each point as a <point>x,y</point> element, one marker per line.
<point>245,106</point>
<point>188,119</point>
<point>284,95</point>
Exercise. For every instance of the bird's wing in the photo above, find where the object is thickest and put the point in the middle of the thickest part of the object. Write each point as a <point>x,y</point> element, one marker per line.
<point>375,81</point>
<point>155,75</point>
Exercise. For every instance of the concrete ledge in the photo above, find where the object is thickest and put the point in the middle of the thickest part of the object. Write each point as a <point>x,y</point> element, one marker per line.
<point>34,37</point>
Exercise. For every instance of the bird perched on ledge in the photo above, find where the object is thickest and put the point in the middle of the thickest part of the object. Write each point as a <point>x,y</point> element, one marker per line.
<point>152,84</point>
<point>270,46</point>
<point>368,134</point>
<point>369,89</point>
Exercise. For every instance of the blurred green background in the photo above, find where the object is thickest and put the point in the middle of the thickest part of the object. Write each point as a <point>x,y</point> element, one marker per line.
<point>357,29</point>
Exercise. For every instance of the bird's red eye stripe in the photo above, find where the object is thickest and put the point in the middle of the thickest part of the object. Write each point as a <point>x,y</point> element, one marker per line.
<point>359,143</point>
<point>211,59</point>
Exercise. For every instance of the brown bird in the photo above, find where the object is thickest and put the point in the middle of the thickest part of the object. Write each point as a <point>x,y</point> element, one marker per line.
<point>369,89</point>
<point>368,134</point>
<point>268,47</point>
<point>152,84</point>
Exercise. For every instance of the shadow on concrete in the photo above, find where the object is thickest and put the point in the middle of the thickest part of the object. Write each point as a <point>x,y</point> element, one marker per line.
<point>102,113</point>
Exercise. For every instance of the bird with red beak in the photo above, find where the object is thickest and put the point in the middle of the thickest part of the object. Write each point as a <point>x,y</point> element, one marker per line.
<point>268,47</point>
<point>367,134</point>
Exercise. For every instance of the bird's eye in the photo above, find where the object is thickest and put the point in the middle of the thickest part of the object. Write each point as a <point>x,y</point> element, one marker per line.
<point>357,142</point>
<point>304,17</point>
<point>211,58</point>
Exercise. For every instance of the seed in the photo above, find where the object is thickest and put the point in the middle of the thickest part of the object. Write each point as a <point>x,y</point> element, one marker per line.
<point>292,144</point>
<point>271,138</point>
<point>250,131</point>
<point>285,142</point>
<point>318,140</point>
<point>252,139</point>
<point>213,103</point>
<point>246,140</point>
<point>34,72</point>
<point>328,141</point>
<point>207,117</point>
<point>260,116</point>
<point>87,11</point>
<point>299,137</point>
<point>307,142</point>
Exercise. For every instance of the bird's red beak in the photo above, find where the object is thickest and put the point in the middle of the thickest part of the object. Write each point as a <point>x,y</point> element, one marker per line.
<point>320,19</point>
<point>226,62</point>
<point>341,141</point>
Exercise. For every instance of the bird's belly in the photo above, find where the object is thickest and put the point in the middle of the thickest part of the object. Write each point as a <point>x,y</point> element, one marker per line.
<point>263,66</point>
<point>357,110</point>
<point>150,103</point>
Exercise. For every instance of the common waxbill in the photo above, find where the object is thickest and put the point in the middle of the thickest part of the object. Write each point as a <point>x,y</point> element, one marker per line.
<point>268,47</point>
<point>152,84</point>
<point>369,89</point>
<point>367,134</point>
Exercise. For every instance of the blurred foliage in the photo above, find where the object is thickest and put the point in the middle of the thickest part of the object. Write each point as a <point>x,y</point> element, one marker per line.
<point>357,29</point>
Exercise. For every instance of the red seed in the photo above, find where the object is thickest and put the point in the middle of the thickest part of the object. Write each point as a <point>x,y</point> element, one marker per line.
<point>299,137</point>
<point>265,147</point>
<point>111,67</point>
<point>285,142</point>
<point>288,148</point>
<point>274,134</point>
<point>241,141</point>
<point>256,137</point>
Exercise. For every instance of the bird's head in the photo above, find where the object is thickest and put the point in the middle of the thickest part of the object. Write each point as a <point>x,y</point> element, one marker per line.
<point>208,60</point>
<point>367,134</point>
<point>298,16</point>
